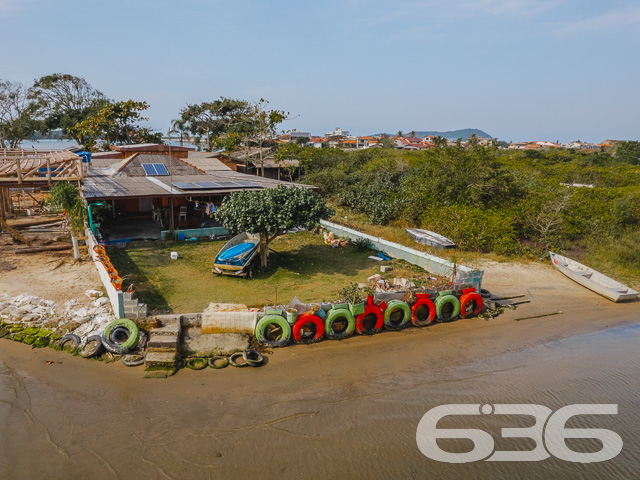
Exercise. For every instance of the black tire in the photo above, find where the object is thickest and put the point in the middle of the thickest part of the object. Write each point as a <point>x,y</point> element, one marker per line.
<point>92,347</point>
<point>133,359</point>
<point>234,357</point>
<point>196,363</point>
<point>68,342</point>
<point>485,293</point>
<point>212,362</point>
<point>253,357</point>
<point>121,336</point>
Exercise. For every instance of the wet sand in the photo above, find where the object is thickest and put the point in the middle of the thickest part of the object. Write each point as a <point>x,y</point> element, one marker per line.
<point>332,410</point>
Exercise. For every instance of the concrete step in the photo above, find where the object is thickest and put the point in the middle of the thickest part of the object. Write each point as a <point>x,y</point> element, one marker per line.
<point>161,360</point>
<point>161,343</point>
<point>171,329</point>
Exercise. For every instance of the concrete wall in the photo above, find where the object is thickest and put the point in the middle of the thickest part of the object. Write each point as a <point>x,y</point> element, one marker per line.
<point>430,263</point>
<point>117,302</point>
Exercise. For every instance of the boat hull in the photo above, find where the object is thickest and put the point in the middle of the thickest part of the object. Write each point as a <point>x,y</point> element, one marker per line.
<point>592,279</point>
<point>427,237</point>
<point>236,255</point>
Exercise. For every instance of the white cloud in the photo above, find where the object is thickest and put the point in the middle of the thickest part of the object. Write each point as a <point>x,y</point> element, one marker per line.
<point>614,20</point>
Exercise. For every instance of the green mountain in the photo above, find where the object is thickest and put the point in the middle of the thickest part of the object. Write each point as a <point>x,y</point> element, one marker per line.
<point>453,134</point>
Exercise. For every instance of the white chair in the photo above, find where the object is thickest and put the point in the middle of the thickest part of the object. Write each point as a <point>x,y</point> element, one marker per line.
<point>183,213</point>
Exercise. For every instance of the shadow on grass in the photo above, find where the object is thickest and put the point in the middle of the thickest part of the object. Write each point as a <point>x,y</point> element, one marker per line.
<point>131,274</point>
<point>312,260</point>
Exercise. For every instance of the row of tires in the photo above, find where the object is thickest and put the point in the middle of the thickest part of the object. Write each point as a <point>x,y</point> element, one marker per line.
<point>340,323</point>
<point>247,358</point>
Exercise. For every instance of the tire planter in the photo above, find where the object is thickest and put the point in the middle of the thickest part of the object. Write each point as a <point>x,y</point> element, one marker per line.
<point>371,321</point>
<point>120,336</point>
<point>233,360</point>
<point>423,312</point>
<point>397,315</point>
<point>133,360</point>
<point>196,363</point>
<point>470,303</point>
<point>223,364</point>
<point>92,347</point>
<point>274,331</point>
<point>309,328</point>
<point>339,324</point>
<point>447,307</point>
<point>68,342</point>
<point>253,357</point>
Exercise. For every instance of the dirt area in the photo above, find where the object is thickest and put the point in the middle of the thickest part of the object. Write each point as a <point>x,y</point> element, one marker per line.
<point>36,274</point>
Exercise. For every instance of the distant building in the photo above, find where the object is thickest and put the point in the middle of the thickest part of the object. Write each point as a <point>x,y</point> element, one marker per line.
<point>338,132</point>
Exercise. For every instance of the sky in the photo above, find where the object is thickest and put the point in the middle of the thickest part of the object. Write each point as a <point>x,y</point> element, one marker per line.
<point>519,70</point>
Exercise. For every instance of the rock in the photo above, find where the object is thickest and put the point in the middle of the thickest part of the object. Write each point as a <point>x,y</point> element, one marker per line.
<point>386,268</point>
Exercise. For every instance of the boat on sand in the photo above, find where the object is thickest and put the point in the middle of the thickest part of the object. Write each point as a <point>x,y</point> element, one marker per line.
<point>592,279</point>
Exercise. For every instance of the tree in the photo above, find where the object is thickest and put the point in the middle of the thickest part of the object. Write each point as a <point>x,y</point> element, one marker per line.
<point>66,196</point>
<point>116,123</point>
<point>412,133</point>
<point>400,134</point>
<point>64,100</point>
<point>628,152</point>
<point>271,212</point>
<point>17,114</point>
<point>213,119</point>
<point>178,125</point>
<point>263,123</point>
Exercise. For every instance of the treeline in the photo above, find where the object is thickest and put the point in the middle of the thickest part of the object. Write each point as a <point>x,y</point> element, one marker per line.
<point>483,198</point>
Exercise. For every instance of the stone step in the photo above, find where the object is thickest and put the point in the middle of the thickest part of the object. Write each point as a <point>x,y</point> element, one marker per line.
<point>162,342</point>
<point>171,329</point>
<point>161,360</point>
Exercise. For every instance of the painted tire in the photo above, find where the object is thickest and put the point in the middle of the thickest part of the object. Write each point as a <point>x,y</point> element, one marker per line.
<point>277,328</point>
<point>133,360</point>
<point>218,366</point>
<point>68,341</point>
<point>112,336</point>
<point>196,363</point>
<point>441,313</point>
<point>418,316</point>
<point>300,331</point>
<point>253,357</point>
<point>372,314</point>
<point>92,347</point>
<point>233,359</point>
<point>397,315</point>
<point>340,317</point>
<point>467,300</point>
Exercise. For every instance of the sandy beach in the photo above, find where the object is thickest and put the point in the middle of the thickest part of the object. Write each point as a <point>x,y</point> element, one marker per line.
<point>331,410</point>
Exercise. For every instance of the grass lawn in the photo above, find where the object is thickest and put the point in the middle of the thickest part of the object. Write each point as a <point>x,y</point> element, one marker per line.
<point>300,265</point>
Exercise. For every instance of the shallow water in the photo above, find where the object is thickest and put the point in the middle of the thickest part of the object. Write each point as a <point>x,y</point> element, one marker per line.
<point>335,416</point>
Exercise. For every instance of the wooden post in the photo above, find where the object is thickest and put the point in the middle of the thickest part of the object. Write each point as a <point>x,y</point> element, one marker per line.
<point>19,170</point>
<point>171,227</point>
<point>48,170</point>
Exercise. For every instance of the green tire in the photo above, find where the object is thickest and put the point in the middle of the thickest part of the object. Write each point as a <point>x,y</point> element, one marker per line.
<point>441,313</point>
<point>274,331</point>
<point>397,315</point>
<point>124,347</point>
<point>337,316</point>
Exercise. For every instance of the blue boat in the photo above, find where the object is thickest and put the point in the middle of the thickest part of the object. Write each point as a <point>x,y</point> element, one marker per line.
<point>237,255</point>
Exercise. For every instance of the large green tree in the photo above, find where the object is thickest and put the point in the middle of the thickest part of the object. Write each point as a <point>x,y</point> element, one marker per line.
<point>212,120</point>
<point>65,100</point>
<point>18,119</point>
<point>628,152</point>
<point>271,212</point>
<point>116,124</point>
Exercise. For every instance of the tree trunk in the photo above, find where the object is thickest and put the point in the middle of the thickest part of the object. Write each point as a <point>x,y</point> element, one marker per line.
<point>264,249</point>
<point>76,250</point>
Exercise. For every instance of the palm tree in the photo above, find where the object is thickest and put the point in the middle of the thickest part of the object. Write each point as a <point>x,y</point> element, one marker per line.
<point>178,125</point>
<point>400,134</point>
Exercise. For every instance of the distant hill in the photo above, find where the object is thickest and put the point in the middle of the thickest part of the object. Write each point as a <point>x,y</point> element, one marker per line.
<point>453,134</point>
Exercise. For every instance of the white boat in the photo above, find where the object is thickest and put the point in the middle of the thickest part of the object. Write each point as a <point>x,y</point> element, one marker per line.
<point>237,254</point>
<point>592,279</point>
<point>427,237</point>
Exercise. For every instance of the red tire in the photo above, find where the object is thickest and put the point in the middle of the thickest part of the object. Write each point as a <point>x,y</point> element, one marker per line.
<point>371,321</point>
<point>419,317</point>
<point>466,301</point>
<point>309,328</point>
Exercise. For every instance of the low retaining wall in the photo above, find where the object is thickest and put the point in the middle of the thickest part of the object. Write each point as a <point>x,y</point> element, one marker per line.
<point>430,263</point>
<point>115,296</point>
<point>194,232</point>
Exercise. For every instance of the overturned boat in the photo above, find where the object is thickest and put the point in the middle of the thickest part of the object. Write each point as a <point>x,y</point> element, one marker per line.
<point>237,255</point>
<point>427,237</point>
<point>592,279</point>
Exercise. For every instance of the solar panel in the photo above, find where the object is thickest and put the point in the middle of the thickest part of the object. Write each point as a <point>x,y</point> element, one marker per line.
<point>214,185</point>
<point>155,169</point>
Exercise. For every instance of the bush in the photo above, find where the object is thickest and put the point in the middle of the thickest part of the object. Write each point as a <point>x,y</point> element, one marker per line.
<point>473,228</point>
